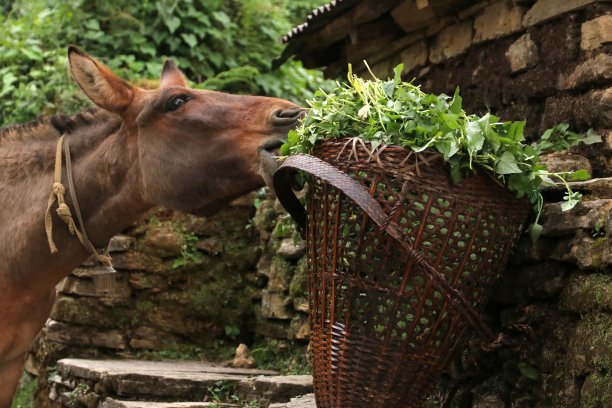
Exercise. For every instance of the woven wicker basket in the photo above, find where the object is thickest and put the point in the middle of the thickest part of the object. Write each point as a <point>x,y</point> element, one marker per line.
<point>383,329</point>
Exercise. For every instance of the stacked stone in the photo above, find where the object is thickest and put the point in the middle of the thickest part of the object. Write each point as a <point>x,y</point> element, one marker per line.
<point>284,299</point>
<point>184,286</point>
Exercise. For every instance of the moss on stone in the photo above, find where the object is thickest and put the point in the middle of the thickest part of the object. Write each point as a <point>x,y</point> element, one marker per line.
<point>597,391</point>
<point>590,346</point>
<point>298,288</point>
<point>586,293</point>
<point>597,251</point>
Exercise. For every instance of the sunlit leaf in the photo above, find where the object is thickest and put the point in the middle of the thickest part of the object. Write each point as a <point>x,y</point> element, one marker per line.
<point>507,164</point>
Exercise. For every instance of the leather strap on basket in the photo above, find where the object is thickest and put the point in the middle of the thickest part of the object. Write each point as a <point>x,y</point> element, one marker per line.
<point>342,181</point>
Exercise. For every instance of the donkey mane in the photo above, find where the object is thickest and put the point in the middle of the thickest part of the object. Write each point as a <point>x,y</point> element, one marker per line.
<point>29,148</point>
<point>51,127</point>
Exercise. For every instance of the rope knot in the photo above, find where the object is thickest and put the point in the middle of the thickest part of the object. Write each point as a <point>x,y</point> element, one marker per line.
<point>59,189</point>
<point>63,211</point>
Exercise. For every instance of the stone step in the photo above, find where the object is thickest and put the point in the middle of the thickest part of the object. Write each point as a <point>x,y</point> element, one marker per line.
<point>112,403</point>
<point>112,381</point>
<point>305,401</point>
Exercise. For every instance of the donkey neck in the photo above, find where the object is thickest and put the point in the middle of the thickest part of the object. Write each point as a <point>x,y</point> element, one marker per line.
<point>107,185</point>
<point>107,182</point>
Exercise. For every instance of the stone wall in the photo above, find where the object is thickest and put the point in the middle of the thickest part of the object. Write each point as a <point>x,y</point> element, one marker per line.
<point>545,61</point>
<point>187,288</point>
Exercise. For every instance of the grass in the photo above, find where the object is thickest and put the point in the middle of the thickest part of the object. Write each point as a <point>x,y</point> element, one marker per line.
<point>24,398</point>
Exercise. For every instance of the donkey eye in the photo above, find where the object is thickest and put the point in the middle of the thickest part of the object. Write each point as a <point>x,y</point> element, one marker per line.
<point>176,102</point>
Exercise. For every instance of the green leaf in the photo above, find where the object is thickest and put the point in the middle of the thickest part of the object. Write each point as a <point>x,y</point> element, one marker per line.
<point>570,202</point>
<point>173,23</point>
<point>535,230</point>
<point>92,24</point>
<point>515,132</point>
<point>285,149</point>
<point>591,137</point>
<point>455,172</point>
<point>293,137</point>
<point>448,147</point>
<point>579,175</point>
<point>528,371</point>
<point>475,136</point>
<point>190,39</point>
<point>507,164</point>
<point>455,106</point>
<point>397,74</point>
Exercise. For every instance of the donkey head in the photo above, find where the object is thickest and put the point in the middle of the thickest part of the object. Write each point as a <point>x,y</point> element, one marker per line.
<point>196,150</point>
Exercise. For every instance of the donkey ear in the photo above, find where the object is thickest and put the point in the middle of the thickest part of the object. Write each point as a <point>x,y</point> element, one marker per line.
<point>99,83</point>
<point>172,76</point>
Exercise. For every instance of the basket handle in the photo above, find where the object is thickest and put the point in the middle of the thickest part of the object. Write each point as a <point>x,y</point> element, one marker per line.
<point>342,181</point>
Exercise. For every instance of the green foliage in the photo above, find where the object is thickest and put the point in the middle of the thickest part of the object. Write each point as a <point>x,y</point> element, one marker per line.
<point>190,255</point>
<point>287,357</point>
<point>560,138</point>
<point>24,397</point>
<point>224,393</point>
<point>393,112</point>
<point>223,45</point>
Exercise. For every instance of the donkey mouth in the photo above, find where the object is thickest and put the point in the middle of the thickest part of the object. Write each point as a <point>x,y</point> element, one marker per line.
<point>271,147</point>
<point>267,166</point>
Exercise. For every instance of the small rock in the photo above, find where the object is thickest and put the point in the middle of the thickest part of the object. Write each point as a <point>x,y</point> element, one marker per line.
<point>291,250</point>
<point>303,332</point>
<point>497,20</point>
<point>596,32</point>
<point>584,216</point>
<point>544,10</point>
<point>451,42</point>
<point>413,56</point>
<point>164,241</point>
<point>210,245</point>
<point>522,54</point>
<point>84,336</point>
<point>559,162</point>
<point>280,272</point>
<point>138,261</point>
<point>274,306</point>
<point>243,358</point>
<point>301,305</point>
<point>120,243</point>
<point>263,265</point>
<point>593,70</point>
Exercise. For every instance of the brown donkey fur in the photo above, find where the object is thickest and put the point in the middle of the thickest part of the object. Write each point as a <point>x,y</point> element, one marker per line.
<point>186,149</point>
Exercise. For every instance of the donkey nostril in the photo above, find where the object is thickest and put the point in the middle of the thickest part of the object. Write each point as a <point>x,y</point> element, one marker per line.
<point>290,113</point>
<point>286,117</point>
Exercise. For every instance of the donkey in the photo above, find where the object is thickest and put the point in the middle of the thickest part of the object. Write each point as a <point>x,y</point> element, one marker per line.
<point>185,149</point>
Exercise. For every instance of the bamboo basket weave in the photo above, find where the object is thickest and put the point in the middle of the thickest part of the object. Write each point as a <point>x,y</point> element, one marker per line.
<point>383,330</point>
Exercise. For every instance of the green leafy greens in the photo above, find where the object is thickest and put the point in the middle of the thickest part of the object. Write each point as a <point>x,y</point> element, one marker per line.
<point>394,112</point>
